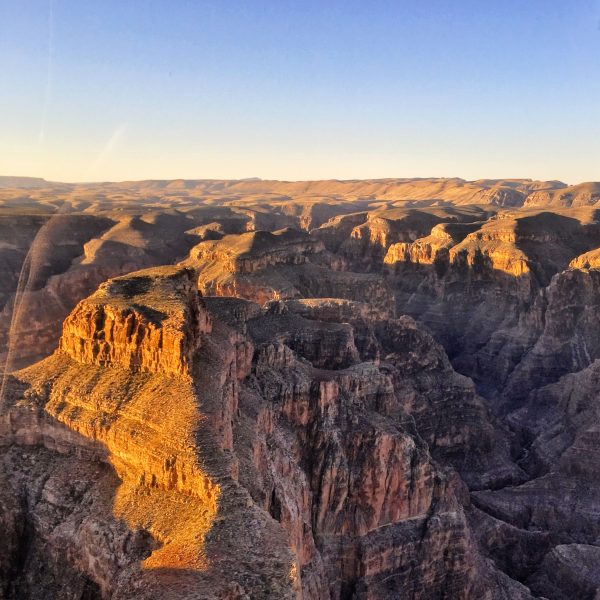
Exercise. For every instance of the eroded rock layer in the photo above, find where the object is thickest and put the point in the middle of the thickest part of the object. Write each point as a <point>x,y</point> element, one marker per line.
<point>175,453</point>
<point>143,322</point>
<point>121,471</point>
<point>265,420</point>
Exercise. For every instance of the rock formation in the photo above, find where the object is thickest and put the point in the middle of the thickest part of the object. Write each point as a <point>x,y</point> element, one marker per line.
<point>113,472</point>
<point>142,322</point>
<point>257,436</point>
<point>319,390</point>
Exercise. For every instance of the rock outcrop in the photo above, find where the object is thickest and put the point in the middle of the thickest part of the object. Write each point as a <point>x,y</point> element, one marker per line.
<point>67,259</point>
<point>112,465</point>
<point>147,321</point>
<point>337,460</point>
<point>570,571</point>
<point>286,432</point>
<point>484,292</point>
<point>583,194</point>
<point>157,454</point>
<point>261,267</point>
<point>255,251</point>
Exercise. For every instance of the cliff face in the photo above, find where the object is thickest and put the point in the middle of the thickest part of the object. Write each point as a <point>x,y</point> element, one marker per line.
<point>564,323</point>
<point>366,239</point>
<point>245,458</point>
<point>113,464</point>
<point>483,289</point>
<point>583,194</point>
<point>432,249</point>
<point>334,456</point>
<point>140,322</point>
<point>288,434</point>
<point>63,259</point>
<point>559,421</point>
<point>287,264</point>
<point>255,251</point>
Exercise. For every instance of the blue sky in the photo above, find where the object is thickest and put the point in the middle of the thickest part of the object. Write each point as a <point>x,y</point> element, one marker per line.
<point>111,90</point>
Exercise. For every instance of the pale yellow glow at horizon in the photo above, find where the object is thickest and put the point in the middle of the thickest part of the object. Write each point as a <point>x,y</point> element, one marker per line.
<point>119,159</point>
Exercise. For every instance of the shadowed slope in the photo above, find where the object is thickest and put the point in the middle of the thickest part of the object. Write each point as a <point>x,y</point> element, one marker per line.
<point>107,396</point>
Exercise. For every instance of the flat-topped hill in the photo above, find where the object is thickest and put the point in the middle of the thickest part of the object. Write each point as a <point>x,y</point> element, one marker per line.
<point>298,195</point>
<point>256,250</point>
<point>146,321</point>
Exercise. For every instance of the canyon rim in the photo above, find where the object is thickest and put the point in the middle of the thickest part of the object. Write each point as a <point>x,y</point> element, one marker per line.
<point>318,390</point>
<point>299,300</point>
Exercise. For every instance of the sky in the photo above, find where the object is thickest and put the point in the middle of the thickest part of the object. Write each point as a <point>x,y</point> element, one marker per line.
<point>148,89</point>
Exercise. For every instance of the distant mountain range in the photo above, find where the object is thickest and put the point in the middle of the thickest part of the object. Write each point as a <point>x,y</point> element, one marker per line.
<point>496,192</point>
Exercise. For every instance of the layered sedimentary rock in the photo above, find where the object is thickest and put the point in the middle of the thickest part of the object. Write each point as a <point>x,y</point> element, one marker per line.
<point>261,266</point>
<point>364,239</point>
<point>67,258</point>
<point>357,535</point>
<point>255,251</point>
<point>563,324</point>
<point>569,571</point>
<point>152,223</point>
<point>559,424</point>
<point>433,249</point>
<point>346,475</point>
<point>293,430</point>
<point>484,292</point>
<point>163,458</point>
<point>583,194</point>
<point>151,321</point>
<point>122,472</point>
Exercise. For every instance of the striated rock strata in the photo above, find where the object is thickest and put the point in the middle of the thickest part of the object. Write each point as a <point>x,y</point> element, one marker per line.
<point>142,322</point>
<point>116,463</point>
<point>160,457</point>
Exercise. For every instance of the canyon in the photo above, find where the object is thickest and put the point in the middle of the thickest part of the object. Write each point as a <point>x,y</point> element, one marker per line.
<point>325,390</point>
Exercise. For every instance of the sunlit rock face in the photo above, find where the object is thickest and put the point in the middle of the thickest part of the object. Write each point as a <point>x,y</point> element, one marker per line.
<point>583,194</point>
<point>115,459</point>
<point>261,267</point>
<point>56,260</point>
<point>366,239</point>
<point>432,249</point>
<point>251,252</point>
<point>264,421</point>
<point>210,448</point>
<point>149,322</point>
<point>483,288</point>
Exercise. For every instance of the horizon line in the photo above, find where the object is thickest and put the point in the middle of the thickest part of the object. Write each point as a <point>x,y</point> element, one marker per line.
<point>314,180</point>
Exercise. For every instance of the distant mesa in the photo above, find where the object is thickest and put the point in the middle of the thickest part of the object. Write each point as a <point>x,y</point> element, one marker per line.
<point>7,181</point>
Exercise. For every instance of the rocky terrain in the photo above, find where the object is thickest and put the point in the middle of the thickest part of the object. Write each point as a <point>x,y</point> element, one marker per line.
<point>318,390</point>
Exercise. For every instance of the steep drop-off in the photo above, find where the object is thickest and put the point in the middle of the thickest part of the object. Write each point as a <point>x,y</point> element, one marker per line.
<point>176,447</point>
<point>288,430</point>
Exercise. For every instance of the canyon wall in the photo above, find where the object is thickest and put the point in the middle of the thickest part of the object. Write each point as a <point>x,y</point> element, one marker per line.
<point>343,390</point>
<point>182,440</point>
